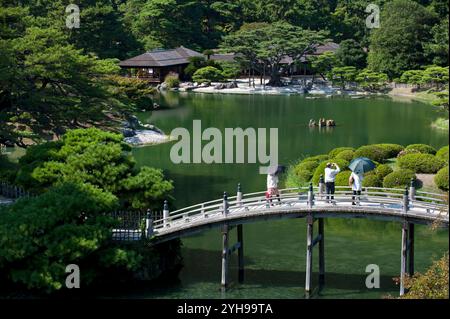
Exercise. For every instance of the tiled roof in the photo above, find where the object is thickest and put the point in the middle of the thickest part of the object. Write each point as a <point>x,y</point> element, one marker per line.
<point>161,57</point>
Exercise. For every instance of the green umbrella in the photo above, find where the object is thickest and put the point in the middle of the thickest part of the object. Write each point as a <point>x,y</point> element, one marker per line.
<point>361,165</point>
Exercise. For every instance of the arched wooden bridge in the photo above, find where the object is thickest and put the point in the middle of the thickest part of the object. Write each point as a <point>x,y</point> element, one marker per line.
<point>407,206</point>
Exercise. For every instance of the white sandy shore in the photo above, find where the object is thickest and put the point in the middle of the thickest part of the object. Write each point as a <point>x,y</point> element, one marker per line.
<point>244,88</point>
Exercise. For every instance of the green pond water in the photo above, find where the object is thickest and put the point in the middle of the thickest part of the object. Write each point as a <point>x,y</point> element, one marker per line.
<point>275,250</point>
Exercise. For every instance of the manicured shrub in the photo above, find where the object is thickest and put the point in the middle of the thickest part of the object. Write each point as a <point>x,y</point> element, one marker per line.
<point>342,178</point>
<point>421,163</point>
<point>443,154</point>
<point>382,170</point>
<point>346,155</point>
<point>422,148</point>
<point>336,151</point>
<point>207,74</point>
<point>399,178</point>
<point>172,80</point>
<point>316,158</point>
<point>372,180</point>
<point>374,152</point>
<point>391,149</point>
<point>441,178</point>
<point>320,170</point>
<point>405,152</point>
<point>308,165</point>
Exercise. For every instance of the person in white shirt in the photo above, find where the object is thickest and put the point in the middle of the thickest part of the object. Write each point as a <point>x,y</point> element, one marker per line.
<point>272,186</point>
<point>331,170</point>
<point>355,181</point>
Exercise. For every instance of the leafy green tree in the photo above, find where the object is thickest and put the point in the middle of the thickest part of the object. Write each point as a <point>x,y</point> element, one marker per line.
<point>371,81</point>
<point>230,70</point>
<point>398,45</point>
<point>343,75</point>
<point>433,284</point>
<point>207,74</point>
<point>436,76</point>
<point>48,86</point>
<point>414,77</point>
<point>324,63</point>
<point>437,48</point>
<point>350,53</point>
<point>94,157</point>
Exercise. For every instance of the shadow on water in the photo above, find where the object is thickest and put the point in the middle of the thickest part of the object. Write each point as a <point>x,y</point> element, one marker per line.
<point>264,278</point>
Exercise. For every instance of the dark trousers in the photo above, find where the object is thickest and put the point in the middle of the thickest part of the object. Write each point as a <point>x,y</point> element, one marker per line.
<point>330,189</point>
<point>355,193</point>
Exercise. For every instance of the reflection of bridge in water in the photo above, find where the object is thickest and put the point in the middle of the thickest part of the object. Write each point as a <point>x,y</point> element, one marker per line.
<point>409,207</point>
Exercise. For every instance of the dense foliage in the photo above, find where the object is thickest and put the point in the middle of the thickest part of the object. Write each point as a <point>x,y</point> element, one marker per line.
<point>421,163</point>
<point>441,179</point>
<point>400,178</point>
<point>433,284</point>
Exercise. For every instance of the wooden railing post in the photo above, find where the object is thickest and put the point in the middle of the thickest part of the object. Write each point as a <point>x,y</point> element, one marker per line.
<point>148,224</point>
<point>310,196</point>
<point>225,204</point>
<point>166,214</point>
<point>239,195</point>
<point>412,190</point>
<point>405,201</point>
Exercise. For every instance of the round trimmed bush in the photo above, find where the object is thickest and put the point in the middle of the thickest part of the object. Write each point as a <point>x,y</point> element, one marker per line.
<point>391,149</point>
<point>346,155</point>
<point>342,178</point>
<point>421,148</point>
<point>334,152</point>
<point>374,152</point>
<point>421,163</point>
<point>399,178</point>
<point>303,176</point>
<point>372,180</point>
<point>441,178</point>
<point>316,158</point>
<point>320,170</point>
<point>308,165</point>
<point>443,153</point>
<point>383,170</point>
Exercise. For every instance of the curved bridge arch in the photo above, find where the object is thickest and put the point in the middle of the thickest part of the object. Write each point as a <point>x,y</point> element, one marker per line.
<point>374,203</point>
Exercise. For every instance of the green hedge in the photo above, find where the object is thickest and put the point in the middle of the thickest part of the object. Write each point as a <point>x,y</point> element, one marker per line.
<point>441,178</point>
<point>374,152</point>
<point>372,180</point>
<point>421,163</point>
<point>443,154</point>
<point>342,178</point>
<point>422,148</point>
<point>392,150</point>
<point>383,170</point>
<point>346,155</point>
<point>334,152</point>
<point>320,170</point>
<point>316,158</point>
<point>399,178</point>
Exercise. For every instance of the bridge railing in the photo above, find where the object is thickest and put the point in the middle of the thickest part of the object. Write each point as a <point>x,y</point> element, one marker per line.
<point>388,198</point>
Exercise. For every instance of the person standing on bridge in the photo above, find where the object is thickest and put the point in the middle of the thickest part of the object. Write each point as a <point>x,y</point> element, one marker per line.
<point>272,183</point>
<point>331,170</point>
<point>355,181</point>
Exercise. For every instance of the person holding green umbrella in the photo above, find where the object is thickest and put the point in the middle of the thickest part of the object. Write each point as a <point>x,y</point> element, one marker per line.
<point>359,166</point>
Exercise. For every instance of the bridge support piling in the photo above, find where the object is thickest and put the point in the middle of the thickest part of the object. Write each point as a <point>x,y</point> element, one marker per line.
<point>321,254</point>
<point>309,251</point>
<point>411,250</point>
<point>240,238</point>
<point>225,254</point>
<point>404,256</point>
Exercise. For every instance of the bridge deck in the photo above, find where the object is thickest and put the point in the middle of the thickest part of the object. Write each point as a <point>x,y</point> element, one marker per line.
<point>376,203</point>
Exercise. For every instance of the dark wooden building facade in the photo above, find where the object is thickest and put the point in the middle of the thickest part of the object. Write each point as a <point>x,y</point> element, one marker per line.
<point>153,66</point>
